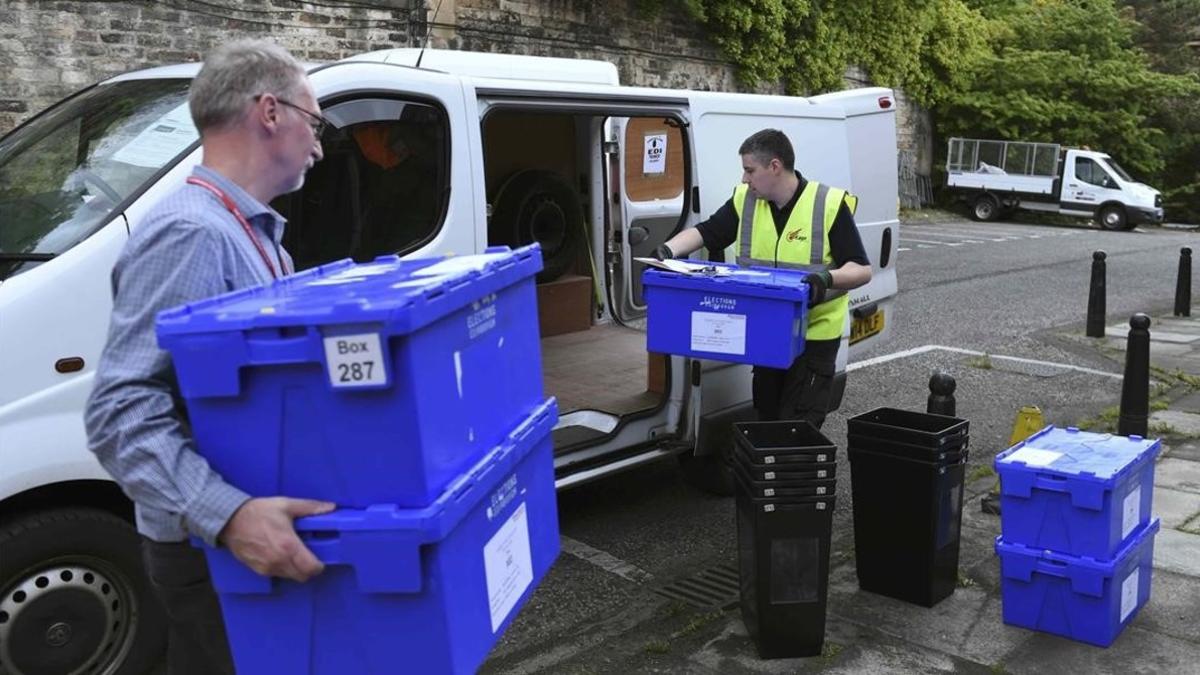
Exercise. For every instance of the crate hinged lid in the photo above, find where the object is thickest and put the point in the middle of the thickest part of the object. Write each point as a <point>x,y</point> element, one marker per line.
<point>1073,453</point>
<point>768,282</point>
<point>404,294</point>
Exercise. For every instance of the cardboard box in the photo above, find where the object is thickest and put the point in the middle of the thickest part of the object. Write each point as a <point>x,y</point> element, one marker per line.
<point>565,305</point>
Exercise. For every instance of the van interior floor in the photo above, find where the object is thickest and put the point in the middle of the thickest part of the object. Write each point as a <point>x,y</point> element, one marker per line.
<point>603,368</point>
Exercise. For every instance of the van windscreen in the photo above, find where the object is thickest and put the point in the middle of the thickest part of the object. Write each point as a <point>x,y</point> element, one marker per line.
<point>65,173</point>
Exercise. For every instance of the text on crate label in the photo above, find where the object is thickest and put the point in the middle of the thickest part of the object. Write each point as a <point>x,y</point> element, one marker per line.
<point>355,360</point>
<point>482,317</point>
<point>718,302</point>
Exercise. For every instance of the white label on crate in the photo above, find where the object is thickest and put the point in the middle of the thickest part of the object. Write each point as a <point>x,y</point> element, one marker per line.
<point>769,459</point>
<point>820,490</point>
<point>719,333</point>
<point>769,492</point>
<point>355,360</point>
<point>1129,593</point>
<point>508,565</point>
<point>770,475</point>
<point>1132,512</point>
<point>1033,456</point>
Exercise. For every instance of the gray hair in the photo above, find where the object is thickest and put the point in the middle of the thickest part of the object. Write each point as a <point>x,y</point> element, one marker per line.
<point>235,73</point>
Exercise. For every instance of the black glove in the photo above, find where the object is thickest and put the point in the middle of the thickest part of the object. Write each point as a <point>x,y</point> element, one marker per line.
<point>663,253</point>
<point>818,284</point>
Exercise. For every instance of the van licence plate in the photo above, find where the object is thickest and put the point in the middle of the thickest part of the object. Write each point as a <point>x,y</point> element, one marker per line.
<point>862,328</point>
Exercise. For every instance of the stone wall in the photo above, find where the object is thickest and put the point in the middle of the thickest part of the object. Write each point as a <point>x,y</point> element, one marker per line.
<point>51,48</point>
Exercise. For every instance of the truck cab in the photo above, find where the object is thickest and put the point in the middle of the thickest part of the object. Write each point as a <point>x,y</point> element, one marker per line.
<point>995,178</point>
<point>465,152</point>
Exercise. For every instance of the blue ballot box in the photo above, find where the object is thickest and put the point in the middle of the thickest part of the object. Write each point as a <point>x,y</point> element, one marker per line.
<point>755,315</point>
<point>362,384</point>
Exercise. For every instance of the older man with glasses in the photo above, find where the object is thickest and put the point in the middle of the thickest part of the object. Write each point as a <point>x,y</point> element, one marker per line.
<point>260,129</point>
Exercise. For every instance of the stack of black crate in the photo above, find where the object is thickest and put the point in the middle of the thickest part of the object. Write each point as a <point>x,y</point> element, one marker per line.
<point>906,481</point>
<point>786,484</point>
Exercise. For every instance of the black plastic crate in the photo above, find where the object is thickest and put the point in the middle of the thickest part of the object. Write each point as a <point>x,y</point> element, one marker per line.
<point>776,474</point>
<point>783,567</point>
<point>790,456</point>
<point>907,521</point>
<point>759,440</point>
<point>946,455</point>
<point>781,489</point>
<point>906,426</point>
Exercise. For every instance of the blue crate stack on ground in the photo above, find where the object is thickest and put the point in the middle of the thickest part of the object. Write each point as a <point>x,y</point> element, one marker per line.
<point>756,316</point>
<point>410,394</point>
<point>1077,537</point>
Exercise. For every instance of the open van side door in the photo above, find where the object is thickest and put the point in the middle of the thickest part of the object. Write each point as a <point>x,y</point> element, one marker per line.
<point>647,184</point>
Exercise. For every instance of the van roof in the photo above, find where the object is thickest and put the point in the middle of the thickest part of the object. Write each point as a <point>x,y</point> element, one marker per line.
<point>500,66</point>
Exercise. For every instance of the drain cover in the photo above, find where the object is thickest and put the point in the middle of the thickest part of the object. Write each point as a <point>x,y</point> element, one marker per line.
<point>714,587</point>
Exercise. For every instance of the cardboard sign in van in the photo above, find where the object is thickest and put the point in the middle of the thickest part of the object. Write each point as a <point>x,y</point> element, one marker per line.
<point>467,151</point>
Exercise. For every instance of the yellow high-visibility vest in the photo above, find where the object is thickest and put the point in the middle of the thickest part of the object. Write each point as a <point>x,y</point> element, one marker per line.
<point>804,245</point>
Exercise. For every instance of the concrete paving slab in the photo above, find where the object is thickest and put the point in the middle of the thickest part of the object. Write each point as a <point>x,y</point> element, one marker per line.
<point>1185,450</point>
<point>1184,423</point>
<point>1160,349</point>
<point>1189,403</point>
<point>1135,651</point>
<point>1179,325</point>
<point>1178,474</point>
<point>1174,599</point>
<point>990,640</point>
<point>1172,337</point>
<point>1175,507</point>
<point>1178,552</point>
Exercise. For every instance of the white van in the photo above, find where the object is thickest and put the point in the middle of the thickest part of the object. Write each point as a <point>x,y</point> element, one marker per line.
<point>467,151</point>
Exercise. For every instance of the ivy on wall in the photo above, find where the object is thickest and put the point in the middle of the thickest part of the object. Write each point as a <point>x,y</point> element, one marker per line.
<point>925,47</point>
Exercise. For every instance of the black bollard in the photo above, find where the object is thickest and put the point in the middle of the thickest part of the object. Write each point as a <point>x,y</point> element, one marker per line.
<point>1135,388</point>
<point>1183,283</point>
<point>941,394</point>
<point>1096,296</point>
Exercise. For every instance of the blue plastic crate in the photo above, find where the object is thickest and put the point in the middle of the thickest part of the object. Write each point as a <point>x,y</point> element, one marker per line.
<point>1080,598</point>
<point>362,384</point>
<point>425,590</point>
<point>1076,492</point>
<point>755,316</point>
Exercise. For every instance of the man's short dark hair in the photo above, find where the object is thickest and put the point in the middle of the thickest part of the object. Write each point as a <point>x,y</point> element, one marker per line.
<point>767,145</point>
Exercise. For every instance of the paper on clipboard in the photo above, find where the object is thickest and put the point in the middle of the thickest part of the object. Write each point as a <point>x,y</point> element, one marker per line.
<point>684,267</point>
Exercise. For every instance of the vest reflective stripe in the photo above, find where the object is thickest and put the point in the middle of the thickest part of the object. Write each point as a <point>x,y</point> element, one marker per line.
<point>813,215</point>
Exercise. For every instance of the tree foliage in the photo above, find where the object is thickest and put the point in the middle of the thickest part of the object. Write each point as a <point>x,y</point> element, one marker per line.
<point>1115,75</point>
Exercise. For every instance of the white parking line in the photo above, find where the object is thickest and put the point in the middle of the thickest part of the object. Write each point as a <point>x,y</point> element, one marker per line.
<point>605,561</point>
<point>971,352</point>
<point>926,241</point>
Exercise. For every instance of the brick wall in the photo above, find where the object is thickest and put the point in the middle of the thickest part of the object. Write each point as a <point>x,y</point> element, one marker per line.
<point>51,48</point>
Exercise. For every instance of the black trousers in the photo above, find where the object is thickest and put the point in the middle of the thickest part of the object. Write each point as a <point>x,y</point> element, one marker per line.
<point>196,642</point>
<point>801,391</point>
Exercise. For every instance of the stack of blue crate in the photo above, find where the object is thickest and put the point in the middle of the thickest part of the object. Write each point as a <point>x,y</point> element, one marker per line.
<point>1077,538</point>
<point>410,394</point>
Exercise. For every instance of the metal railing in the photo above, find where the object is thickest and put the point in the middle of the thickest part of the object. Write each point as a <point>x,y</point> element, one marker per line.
<point>970,155</point>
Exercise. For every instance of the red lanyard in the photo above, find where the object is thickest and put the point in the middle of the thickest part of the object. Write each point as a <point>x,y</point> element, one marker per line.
<point>237,213</point>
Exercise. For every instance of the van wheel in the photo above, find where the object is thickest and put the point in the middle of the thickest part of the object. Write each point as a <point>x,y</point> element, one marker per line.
<point>74,597</point>
<point>539,206</point>
<point>1112,217</point>
<point>985,208</point>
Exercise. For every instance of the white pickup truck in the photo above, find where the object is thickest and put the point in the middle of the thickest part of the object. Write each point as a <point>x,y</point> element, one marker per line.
<point>996,178</point>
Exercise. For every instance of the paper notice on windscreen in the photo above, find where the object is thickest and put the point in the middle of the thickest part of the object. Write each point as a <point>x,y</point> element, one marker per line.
<point>719,333</point>
<point>161,141</point>
<point>508,566</point>
<point>1033,456</point>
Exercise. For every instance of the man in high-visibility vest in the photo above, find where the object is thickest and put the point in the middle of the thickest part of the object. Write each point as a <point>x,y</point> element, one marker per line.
<point>777,218</point>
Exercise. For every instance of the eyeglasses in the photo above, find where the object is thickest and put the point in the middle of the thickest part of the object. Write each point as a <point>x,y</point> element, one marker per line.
<point>316,121</point>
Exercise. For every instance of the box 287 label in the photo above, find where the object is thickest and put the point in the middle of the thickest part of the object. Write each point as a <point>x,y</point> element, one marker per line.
<point>355,360</point>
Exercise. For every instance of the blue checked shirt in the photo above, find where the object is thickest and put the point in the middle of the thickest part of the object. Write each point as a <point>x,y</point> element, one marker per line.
<point>188,247</point>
